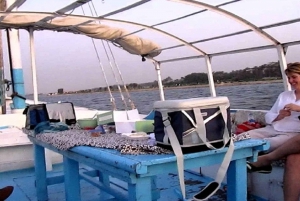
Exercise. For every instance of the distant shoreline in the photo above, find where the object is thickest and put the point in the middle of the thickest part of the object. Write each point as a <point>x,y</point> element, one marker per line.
<point>189,86</point>
<point>216,85</point>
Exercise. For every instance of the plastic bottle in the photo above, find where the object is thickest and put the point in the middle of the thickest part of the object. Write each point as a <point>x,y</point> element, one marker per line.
<point>251,118</point>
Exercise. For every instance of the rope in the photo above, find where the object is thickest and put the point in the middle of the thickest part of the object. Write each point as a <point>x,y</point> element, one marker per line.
<point>111,66</point>
<point>120,75</point>
<point>115,65</point>
<point>112,99</point>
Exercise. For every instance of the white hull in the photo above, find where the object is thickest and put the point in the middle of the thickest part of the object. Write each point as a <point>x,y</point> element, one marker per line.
<point>268,186</point>
<point>22,158</point>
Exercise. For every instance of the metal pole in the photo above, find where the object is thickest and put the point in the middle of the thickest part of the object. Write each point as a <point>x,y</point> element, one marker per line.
<point>283,65</point>
<point>33,67</point>
<point>210,76</point>
<point>2,91</point>
<point>2,88</point>
<point>48,155</point>
<point>17,71</point>
<point>10,60</point>
<point>159,80</point>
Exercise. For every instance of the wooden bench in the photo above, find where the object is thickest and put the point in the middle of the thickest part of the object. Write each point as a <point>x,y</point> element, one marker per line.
<point>138,171</point>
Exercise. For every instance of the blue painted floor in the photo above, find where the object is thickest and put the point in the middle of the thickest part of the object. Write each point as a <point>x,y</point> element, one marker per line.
<point>24,184</point>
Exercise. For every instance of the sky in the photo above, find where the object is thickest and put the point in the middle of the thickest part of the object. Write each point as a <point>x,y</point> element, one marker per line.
<point>69,61</point>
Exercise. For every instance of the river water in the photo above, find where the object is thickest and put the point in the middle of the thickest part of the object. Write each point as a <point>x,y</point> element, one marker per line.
<point>252,96</point>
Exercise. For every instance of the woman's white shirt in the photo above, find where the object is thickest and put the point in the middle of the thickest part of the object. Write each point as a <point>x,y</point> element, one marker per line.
<point>287,124</point>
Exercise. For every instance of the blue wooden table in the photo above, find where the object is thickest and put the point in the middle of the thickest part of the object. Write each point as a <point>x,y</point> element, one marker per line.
<point>139,171</point>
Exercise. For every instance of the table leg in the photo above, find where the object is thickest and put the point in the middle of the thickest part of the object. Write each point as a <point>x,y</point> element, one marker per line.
<point>237,180</point>
<point>141,190</point>
<point>40,173</point>
<point>104,179</point>
<point>72,185</point>
<point>155,191</point>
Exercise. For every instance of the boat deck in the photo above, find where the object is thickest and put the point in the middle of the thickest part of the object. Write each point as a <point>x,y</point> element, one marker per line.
<point>24,183</point>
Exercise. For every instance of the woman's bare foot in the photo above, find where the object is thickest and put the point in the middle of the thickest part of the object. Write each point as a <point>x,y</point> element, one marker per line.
<point>263,160</point>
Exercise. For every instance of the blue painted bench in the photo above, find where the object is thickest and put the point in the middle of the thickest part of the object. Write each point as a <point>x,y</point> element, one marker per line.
<point>139,171</point>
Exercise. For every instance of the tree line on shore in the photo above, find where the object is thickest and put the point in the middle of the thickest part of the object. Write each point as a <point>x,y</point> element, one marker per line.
<point>270,71</point>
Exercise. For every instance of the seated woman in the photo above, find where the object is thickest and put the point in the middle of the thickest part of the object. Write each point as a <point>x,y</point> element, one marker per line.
<point>283,118</point>
<point>285,141</point>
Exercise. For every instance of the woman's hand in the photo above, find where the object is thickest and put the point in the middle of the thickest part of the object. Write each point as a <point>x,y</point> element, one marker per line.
<point>282,114</point>
<point>292,107</point>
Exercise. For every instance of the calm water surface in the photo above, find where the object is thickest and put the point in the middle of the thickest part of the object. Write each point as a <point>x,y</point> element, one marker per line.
<point>255,96</point>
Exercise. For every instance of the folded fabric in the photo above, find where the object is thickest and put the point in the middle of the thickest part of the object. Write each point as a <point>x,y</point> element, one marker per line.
<point>241,136</point>
<point>247,126</point>
<point>47,127</point>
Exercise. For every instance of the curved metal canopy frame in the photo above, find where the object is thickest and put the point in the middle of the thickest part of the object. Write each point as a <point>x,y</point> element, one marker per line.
<point>183,42</point>
<point>115,20</point>
<point>119,10</point>
<point>236,33</point>
<point>216,9</point>
<point>126,8</point>
<point>232,16</point>
<point>183,17</point>
<point>273,41</point>
<point>258,30</point>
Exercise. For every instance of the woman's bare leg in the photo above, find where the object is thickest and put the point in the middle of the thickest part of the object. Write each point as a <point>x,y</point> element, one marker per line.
<point>291,146</point>
<point>291,179</point>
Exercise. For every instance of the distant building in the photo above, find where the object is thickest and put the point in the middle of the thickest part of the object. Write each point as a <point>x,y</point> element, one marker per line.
<point>60,91</point>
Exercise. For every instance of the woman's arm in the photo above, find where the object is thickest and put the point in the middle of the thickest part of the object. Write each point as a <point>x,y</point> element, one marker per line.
<point>282,113</point>
<point>292,107</point>
<point>273,114</point>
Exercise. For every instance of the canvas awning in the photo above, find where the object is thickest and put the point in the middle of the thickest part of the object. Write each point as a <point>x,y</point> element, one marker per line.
<point>80,25</point>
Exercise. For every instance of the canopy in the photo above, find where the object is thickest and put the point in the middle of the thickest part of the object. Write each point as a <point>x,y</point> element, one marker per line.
<point>79,24</point>
<point>178,26</point>
<point>186,30</point>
